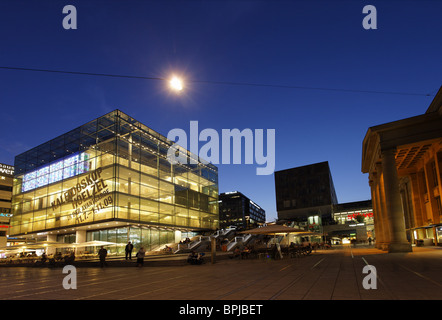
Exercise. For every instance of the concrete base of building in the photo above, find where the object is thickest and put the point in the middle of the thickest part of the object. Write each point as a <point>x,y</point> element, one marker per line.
<point>399,247</point>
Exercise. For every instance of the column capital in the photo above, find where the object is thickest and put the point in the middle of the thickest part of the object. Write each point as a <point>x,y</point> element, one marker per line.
<point>378,166</point>
<point>389,151</point>
<point>372,177</point>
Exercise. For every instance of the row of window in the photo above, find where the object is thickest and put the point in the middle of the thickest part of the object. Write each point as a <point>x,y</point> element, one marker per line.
<point>184,218</point>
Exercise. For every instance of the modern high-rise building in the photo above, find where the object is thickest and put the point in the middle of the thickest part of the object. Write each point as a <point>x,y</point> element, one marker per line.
<point>6,178</point>
<point>304,192</point>
<point>235,209</point>
<point>110,180</point>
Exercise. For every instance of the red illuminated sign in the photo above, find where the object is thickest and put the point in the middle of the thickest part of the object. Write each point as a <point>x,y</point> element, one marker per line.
<point>354,215</point>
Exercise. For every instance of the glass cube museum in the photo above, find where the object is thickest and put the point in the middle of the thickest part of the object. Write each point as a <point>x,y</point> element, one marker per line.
<point>110,180</point>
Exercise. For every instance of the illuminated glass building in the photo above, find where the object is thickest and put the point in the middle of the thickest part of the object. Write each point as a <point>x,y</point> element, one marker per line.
<point>110,180</point>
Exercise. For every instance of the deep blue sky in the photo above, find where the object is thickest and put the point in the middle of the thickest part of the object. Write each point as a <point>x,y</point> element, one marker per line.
<point>318,44</point>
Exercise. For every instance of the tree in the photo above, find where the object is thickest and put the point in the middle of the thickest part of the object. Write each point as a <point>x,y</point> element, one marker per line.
<point>360,218</point>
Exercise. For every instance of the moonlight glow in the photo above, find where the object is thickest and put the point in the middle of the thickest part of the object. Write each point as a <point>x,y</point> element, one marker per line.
<point>176,84</point>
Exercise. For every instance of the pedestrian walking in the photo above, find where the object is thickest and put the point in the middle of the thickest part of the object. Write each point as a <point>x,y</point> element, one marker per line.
<point>140,257</point>
<point>129,248</point>
<point>102,253</point>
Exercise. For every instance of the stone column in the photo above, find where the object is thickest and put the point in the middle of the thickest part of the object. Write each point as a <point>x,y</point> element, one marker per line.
<point>438,161</point>
<point>416,200</point>
<point>51,238</point>
<point>80,236</point>
<point>398,240</point>
<point>376,210</point>
<point>380,234</point>
<point>380,195</point>
<point>178,235</point>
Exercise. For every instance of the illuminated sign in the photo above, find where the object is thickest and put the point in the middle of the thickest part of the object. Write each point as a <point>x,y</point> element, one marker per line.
<point>6,169</point>
<point>90,195</point>
<point>57,171</point>
<point>6,215</point>
<point>255,204</point>
<point>366,215</point>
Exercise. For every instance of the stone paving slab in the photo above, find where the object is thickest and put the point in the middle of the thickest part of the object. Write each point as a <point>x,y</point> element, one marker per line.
<point>325,275</point>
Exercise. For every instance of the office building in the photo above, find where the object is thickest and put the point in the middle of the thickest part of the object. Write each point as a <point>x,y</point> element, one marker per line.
<point>305,194</point>
<point>235,209</point>
<point>6,179</point>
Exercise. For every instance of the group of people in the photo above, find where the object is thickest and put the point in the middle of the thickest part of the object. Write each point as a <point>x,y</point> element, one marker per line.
<point>167,249</point>
<point>140,254</point>
<point>29,255</point>
<point>195,258</point>
<point>187,240</point>
<point>102,254</point>
<point>58,256</point>
<point>243,254</point>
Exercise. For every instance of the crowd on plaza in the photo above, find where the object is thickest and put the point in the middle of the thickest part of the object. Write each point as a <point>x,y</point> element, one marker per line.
<point>196,258</point>
<point>274,251</point>
<point>259,248</point>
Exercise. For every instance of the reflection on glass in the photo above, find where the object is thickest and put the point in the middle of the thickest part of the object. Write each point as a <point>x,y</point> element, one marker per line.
<point>120,174</point>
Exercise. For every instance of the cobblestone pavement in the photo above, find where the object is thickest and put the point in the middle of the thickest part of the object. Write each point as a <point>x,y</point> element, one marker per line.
<point>335,274</point>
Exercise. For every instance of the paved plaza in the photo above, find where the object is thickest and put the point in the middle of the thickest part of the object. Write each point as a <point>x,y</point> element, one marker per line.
<point>335,274</point>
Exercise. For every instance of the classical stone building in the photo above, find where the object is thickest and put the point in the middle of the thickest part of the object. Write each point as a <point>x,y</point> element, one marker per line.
<point>404,161</point>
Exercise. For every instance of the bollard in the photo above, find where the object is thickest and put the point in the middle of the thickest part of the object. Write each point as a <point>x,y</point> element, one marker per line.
<point>213,247</point>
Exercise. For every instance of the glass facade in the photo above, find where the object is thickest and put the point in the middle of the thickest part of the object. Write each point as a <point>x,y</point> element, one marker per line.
<point>351,220</point>
<point>113,168</point>
<point>353,212</point>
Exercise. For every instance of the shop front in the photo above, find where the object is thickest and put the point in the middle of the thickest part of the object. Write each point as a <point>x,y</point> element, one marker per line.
<point>428,236</point>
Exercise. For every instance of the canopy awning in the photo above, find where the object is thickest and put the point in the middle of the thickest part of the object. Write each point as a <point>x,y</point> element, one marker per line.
<point>94,243</point>
<point>275,229</point>
<point>52,244</point>
<point>35,246</point>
